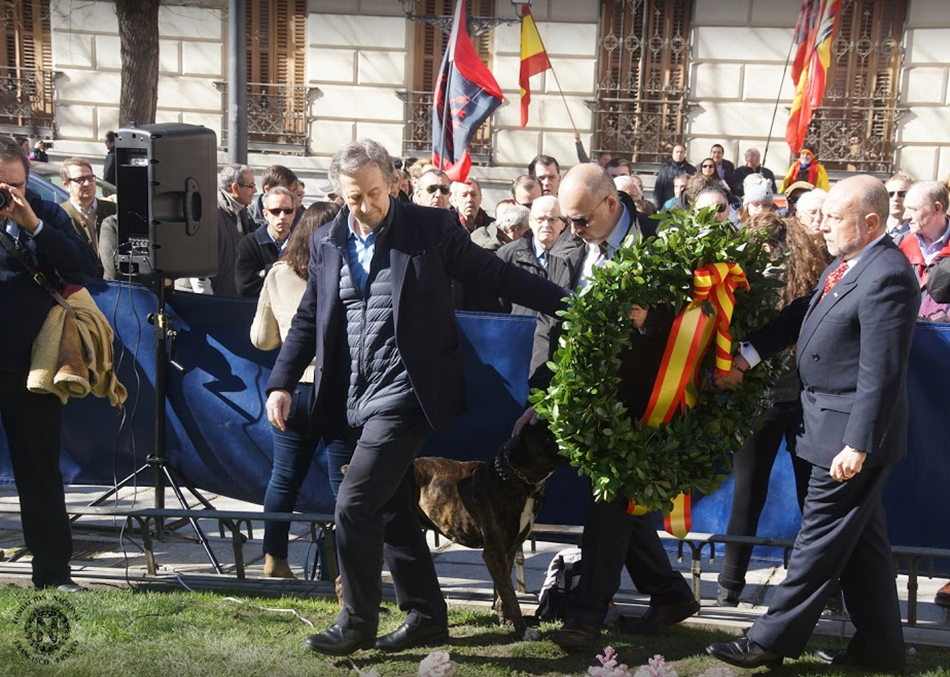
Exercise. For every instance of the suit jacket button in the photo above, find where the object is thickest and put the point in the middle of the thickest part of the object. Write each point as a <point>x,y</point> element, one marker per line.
<point>811,391</point>
<point>815,357</point>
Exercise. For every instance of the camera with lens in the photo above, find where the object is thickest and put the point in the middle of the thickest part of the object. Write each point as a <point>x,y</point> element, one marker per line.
<point>5,198</point>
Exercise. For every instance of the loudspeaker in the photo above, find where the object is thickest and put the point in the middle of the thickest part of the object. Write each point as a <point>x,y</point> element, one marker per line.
<point>167,200</point>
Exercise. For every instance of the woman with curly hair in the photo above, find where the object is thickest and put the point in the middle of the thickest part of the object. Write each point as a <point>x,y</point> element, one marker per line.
<point>804,261</point>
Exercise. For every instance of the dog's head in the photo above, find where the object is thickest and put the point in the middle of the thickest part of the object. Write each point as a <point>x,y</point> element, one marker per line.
<point>533,453</point>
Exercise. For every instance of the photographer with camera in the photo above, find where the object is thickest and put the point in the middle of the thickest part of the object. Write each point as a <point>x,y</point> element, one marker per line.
<point>36,236</point>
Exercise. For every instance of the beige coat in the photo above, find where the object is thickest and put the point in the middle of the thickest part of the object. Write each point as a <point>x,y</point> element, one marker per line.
<point>276,308</point>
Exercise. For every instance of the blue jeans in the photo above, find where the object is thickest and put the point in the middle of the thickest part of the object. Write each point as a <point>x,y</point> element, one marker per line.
<point>293,454</point>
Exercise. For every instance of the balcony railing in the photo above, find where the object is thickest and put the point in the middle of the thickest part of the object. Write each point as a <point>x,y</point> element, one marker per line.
<point>856,138</point>
<point>417,137</point>
<point>26,100</point>
<point>278,116</point>
<point>644,130</point>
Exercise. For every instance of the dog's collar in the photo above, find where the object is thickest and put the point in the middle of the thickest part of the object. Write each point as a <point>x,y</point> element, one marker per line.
<point>509,473</point>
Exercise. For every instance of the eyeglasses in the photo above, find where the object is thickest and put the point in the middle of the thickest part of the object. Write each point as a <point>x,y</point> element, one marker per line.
<point>585,221</point>
<point>898,193</point>
<point>86,178</point>
<point>247,185</point>
<point>441,187</point>
<point>708,166</point>
<point>721,207</point>
<point>278,211</point>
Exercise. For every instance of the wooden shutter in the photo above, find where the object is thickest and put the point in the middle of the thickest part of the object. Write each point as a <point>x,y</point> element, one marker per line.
<point>856,126</point>
<point>26,64</point>
<point>430,41</point>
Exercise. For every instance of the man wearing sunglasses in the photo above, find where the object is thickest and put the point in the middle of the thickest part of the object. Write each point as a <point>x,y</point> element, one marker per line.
<point>433,189</point>
<point>258,251</point>
<point>897,187</point>
<point>606,220</point>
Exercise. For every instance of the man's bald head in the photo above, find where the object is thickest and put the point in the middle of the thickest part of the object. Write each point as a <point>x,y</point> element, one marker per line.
<point>589,200</point>
<point>853,215</point>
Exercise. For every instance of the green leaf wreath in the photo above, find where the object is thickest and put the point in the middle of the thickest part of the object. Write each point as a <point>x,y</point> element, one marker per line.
<point>691,454</point>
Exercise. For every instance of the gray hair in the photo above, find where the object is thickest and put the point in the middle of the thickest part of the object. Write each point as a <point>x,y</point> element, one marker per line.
<point>279,190</point>
<point>811,200</point>
<point>354,155</point>
<point>713,190</point>
<point>750,152</point>
<point>932,191</point>
<point>508,216</point>
<point>231,174</point>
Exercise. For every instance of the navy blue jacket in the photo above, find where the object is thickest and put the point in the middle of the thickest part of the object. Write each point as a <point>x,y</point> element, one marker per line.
<point>62,256</point>
<point>852,353</point>
<point>426,248</point>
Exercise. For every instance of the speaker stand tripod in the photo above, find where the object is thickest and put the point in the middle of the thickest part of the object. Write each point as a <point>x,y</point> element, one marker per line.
<point>157,462</point>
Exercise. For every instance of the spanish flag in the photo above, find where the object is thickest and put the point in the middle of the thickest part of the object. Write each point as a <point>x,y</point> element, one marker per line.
<point>534,59</point>
<point>814,33</point>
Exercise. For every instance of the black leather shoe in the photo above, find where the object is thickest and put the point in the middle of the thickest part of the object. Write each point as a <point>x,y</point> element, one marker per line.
<point>744,653</point>
<point>339,641</point>
<point>576,634</point>
<point>658,617</point>
<point>843,658</point>
<point>408,635</point>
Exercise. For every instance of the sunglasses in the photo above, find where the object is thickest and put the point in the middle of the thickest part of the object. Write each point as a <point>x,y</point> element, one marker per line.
<point>898,193</point>
<point>585,221</point>
<point>720,208</point>
<point>442,188</point>
<point>708,166</point>
<point>85,178</point>
<point>278,211</point>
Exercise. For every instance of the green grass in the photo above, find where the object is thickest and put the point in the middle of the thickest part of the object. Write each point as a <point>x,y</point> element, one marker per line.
<point>184,634</point>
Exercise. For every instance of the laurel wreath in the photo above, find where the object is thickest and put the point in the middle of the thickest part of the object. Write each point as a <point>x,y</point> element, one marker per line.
<point>624,456</point>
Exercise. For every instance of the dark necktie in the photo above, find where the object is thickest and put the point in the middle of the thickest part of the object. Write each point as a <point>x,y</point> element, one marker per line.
<point>834,277</point>
<point>603,250</point>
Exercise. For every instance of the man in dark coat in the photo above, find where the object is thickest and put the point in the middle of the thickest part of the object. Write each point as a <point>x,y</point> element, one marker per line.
<point>853,335</point>
<point>257,252</point>
<point>41,232</point>
<point>378,321</point>
<point>605,220</point>
<point>663,188</point>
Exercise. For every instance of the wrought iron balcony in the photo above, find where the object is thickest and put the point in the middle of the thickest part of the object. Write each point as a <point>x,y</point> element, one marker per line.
<point>26,100</point>
<point>278,116</point>
<point>856,138</point>
<point>417,137</point>
<point>644,130</point>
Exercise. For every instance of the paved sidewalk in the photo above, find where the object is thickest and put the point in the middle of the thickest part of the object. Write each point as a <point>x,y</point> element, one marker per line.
<point>102,560</point>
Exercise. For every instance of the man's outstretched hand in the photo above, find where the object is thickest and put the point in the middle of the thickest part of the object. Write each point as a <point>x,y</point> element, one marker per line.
<point>732,380</point>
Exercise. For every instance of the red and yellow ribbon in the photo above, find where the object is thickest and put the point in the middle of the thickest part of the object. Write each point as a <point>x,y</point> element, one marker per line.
<point>675,387</point>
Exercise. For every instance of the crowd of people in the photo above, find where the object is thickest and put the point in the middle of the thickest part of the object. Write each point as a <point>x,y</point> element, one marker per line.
<point>370,364</point>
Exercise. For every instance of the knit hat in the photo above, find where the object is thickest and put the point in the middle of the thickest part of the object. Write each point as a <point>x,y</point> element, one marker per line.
<point>756,189</point>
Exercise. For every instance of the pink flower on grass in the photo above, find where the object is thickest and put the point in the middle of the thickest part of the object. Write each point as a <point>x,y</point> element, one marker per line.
<point>609,665</point>
<point>438,664</point>
<point>656,667</point>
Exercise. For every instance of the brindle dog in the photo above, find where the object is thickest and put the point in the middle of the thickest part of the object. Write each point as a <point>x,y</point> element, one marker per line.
<point>490,505</point>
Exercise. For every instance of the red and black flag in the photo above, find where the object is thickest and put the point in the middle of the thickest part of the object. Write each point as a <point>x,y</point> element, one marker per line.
<point>466,93</point>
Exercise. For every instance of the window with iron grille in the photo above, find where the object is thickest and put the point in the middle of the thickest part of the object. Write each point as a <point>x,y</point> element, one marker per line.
<point>640,105</point>
<point>277,96</point>
<point>855,129</point>
<point>26,67</point>
<point>429,47</point>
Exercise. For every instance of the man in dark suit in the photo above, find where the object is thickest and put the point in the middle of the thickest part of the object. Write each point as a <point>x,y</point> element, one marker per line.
<point>378,320</point>
<point>40,232</point>
<point>725,170</point>
<point>85,211</point>
<point>605,220</point>
<point>853,338</point>
<point>257,252</point>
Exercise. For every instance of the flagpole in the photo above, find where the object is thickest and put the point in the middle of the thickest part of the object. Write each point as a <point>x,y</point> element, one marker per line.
<point>778,98</point>
<point>563,98</point>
